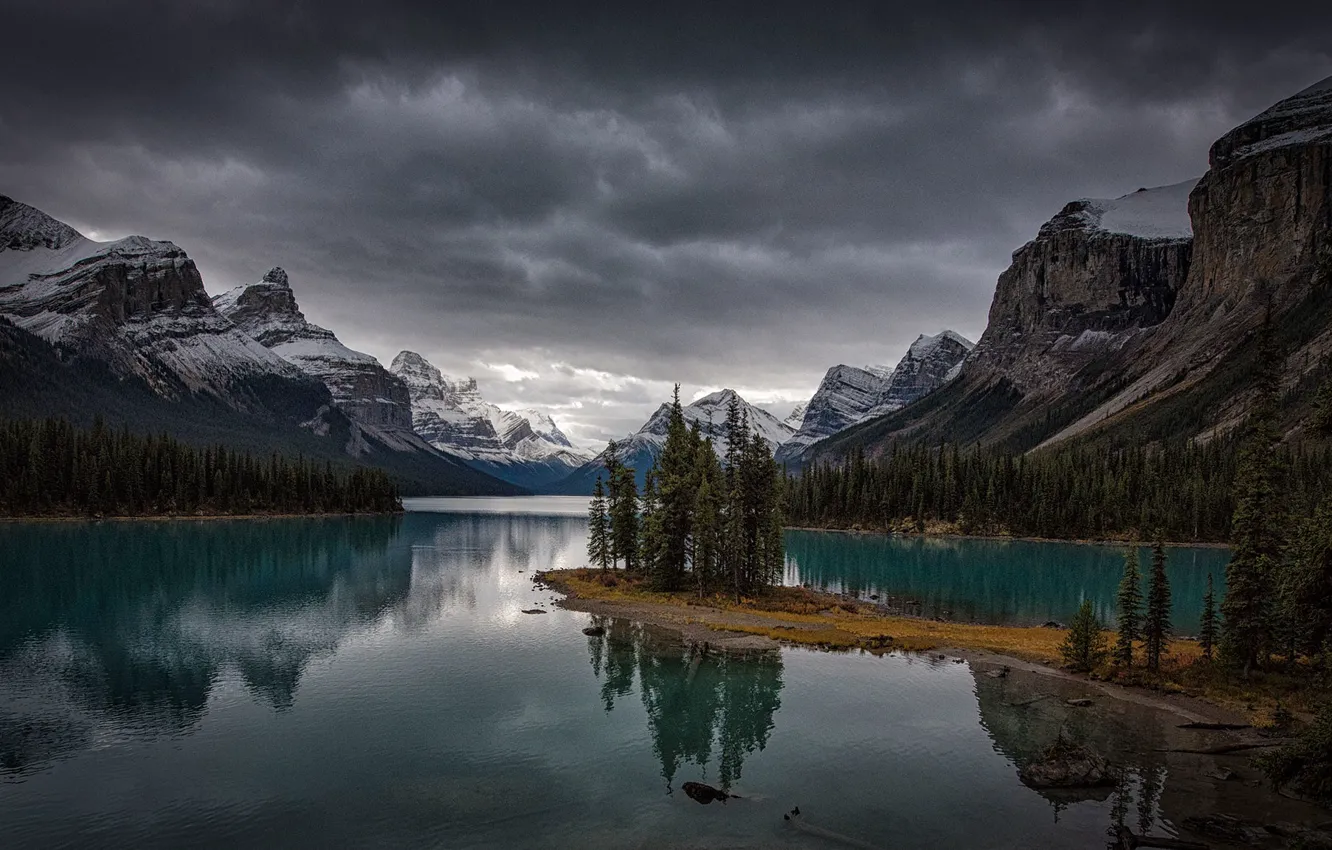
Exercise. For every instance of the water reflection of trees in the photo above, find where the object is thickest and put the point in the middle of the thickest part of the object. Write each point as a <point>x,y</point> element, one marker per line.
<point>1023,725</point>
<point>700,705</point>
<point>125,628</point>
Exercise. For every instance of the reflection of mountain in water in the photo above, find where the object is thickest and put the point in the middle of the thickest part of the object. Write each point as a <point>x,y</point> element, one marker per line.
<point>123,628</point>
<point>450,556</point>
<point>698,704</point>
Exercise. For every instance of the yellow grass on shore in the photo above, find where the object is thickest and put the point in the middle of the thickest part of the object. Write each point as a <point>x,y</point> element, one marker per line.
<point>796,615</point>
<point>801,616</point>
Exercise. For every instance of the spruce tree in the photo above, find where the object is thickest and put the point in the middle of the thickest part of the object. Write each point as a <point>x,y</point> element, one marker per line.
<point>1156,626</point>
<point>624,515</point>
<point>1208,628</point>
<point>610,459</point>
<point>1255,529</point>
<point>1084,647</point>
<point>598,531</point>
<point>1130,609</point>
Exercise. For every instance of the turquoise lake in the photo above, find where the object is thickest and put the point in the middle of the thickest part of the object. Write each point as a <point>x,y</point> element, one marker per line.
<point>373,682</point>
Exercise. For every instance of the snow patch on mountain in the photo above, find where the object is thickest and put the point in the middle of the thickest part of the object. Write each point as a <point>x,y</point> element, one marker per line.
<point>1159,213</point>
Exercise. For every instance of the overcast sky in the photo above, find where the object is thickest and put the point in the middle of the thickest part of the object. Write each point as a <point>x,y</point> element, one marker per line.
<point>580,203</point>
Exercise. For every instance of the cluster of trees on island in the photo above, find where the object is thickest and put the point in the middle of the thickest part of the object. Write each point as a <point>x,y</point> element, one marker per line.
<point>51,468</point>
<point>702,523</point>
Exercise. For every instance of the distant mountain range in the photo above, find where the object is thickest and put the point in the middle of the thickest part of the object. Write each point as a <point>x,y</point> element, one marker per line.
<point>525,447</point>
<point>1132,318</point>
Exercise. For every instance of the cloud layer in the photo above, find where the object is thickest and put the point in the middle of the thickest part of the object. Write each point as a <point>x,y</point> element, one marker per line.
<point>580,206</point>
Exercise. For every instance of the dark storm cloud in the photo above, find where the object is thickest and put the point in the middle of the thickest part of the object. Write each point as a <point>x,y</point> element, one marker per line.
<point>582,203</point>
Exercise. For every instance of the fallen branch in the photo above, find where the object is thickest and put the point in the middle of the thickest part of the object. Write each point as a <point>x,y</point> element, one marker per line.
<point>1224,727</point>
<point>1027,702</point>
<point>1128,841</point>
<point>1224,748</point>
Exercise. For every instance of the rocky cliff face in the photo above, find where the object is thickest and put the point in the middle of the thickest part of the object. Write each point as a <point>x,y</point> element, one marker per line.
<point>360,386</point>
<point>849,395</point>
<point>1095,275</point>
<point>1262,216</point>
<point>139,307</point>
<point>523,447</point>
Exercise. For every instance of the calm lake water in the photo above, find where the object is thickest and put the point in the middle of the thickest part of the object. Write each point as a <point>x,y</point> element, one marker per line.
<point>374,683</point>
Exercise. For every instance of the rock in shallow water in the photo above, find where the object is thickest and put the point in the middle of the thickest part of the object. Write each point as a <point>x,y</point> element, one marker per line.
<point>1067,765</point>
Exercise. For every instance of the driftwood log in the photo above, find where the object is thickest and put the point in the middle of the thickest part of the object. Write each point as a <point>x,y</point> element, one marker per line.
<point>1126,840</point>
<point>1224,748</point>
<point>1223,727</point>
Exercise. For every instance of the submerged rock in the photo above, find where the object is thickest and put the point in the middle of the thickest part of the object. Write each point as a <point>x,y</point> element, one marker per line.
<point>594,631</point>
<point>1067,765</point>
<point>534,611</point>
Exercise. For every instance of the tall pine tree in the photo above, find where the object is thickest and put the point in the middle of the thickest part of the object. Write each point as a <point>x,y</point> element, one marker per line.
<point>1208,627</point>
<point>1130,609</point>
<point>598,528</point>
<point>1255,529</point>
<point>1156,626</point>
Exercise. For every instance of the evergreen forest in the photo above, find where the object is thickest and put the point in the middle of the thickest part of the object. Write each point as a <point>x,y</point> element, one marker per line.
<point>52,468</point>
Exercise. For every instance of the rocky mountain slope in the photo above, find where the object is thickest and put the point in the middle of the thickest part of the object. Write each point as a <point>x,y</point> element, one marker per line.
<point>524,447</point>
<point>639,449</point>
<point>797,416</point>
<point>137,305</point>
<point>267,311</point>
<point>125,330</point>
<point>849,395</point>
<point>1137,317</point>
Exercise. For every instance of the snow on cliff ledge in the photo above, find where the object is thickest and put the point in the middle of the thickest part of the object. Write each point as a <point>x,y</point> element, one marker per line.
<point>1160,213</point>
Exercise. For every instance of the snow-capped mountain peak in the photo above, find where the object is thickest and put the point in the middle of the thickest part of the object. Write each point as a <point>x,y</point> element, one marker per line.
<point>849,395</point>
<point>525,446</point>
<point>267,311</point>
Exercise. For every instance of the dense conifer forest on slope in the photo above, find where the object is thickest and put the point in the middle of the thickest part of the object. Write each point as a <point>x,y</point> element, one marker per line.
<point>1183,491</point>
<point>51,468</point>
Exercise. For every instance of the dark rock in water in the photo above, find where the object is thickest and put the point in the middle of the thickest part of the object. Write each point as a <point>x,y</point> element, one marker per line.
<point>1067,765</point>
<point>533,611</point>
<point>700,793</point>
<point>594,631</point>
<point>874,596</point>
